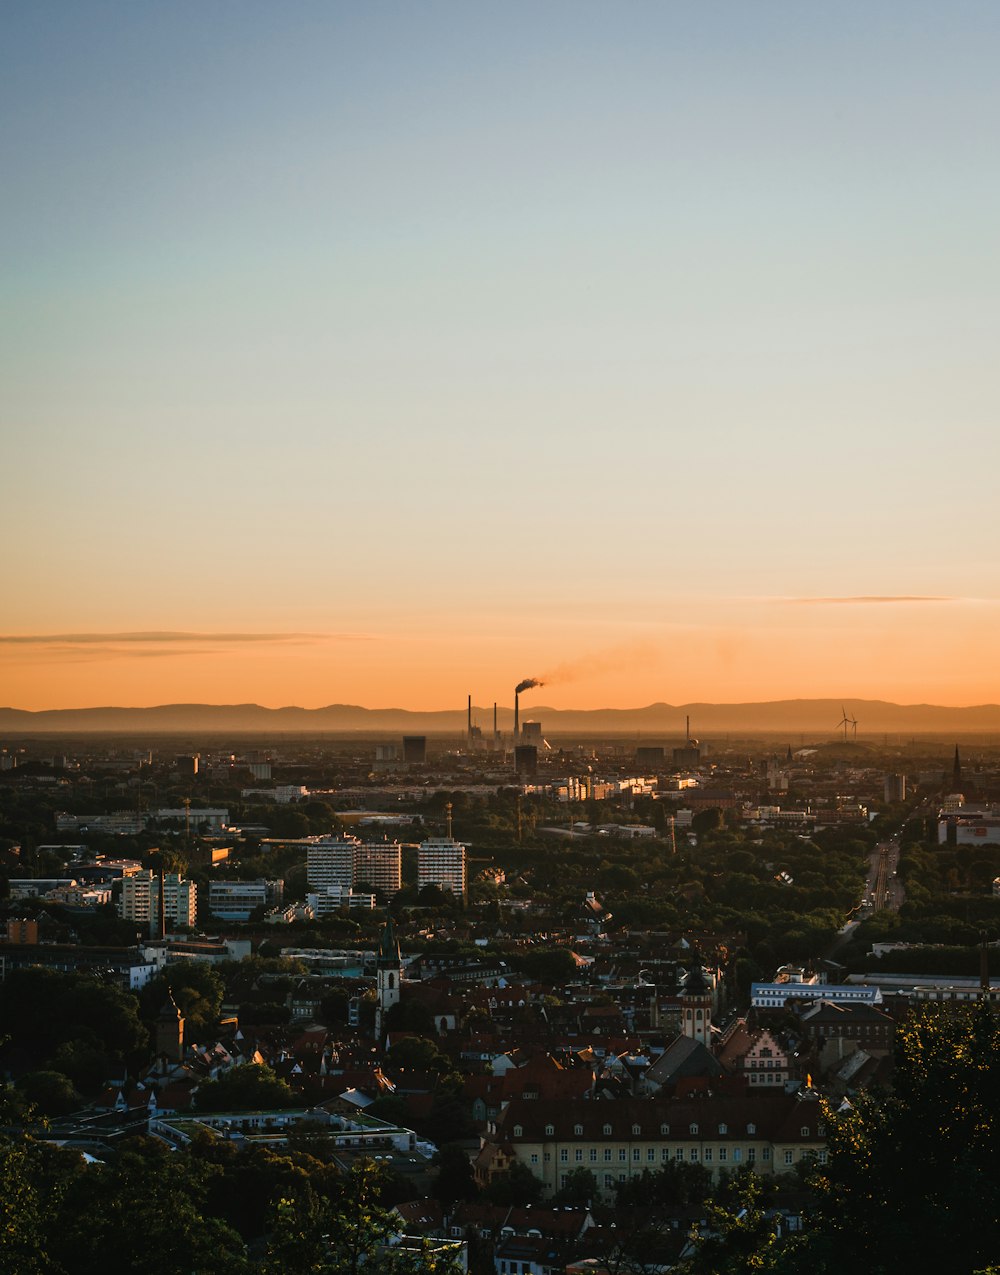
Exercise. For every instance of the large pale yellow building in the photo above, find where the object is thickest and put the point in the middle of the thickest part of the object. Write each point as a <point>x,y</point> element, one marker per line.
<point>618,1140</point>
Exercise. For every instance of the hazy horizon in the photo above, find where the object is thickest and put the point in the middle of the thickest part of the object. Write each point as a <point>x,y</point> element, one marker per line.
<point>376,355</point>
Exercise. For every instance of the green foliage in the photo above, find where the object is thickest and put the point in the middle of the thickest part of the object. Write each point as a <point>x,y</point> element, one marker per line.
<point>515,1186</point>
<point>247,1087</point>
<point>49,1092</point>
<point>43,1010</point>
<point>197,988</point>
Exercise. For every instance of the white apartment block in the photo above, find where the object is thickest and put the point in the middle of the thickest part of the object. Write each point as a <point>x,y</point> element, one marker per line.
<point>140,898</point>
<point>441,862</point>
<point>330,862</point>
<point>329,902</point>
<point>235,900</point>
<point>380,865</point>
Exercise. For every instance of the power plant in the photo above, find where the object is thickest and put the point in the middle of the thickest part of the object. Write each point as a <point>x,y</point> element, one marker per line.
<point>473,733</point>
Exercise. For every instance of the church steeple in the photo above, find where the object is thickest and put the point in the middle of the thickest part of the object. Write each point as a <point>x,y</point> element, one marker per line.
<point>696,1005</point>
<point>388,972</point>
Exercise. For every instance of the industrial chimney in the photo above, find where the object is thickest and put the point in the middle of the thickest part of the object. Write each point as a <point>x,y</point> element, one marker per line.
<point>517,696</point>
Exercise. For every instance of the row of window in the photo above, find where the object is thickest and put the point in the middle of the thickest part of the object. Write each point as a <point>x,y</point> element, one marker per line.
<point>550,1130</point>
<point>707,1155</point>
<point>737,1158</point>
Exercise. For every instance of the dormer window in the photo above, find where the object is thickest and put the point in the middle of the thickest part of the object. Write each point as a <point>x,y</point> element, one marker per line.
<point>751,1129</point>
<point>549,1130</point>
<point>607,1131</point>
<point>636,1130</point>
<point>723,1129</point>
<point>518,1131</point>
<point>821,1131</point>
<point>693,1128</point>
<point>664,1130</point>
<point>804,1131</point>
<point>578,1130</point>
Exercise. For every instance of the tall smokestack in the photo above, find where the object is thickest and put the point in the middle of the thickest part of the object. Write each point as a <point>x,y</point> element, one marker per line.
<point>494,719</point>
<point>517,696</point>
<point>687,728</point>
<point>469,727</point>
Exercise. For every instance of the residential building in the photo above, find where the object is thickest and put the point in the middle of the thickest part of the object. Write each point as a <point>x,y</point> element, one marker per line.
<point>140,899</point>
<point>619,1140</point>
<point>330,862</point>
<point>378,864</point>
<point>441,862</point>
<point>236,900</point>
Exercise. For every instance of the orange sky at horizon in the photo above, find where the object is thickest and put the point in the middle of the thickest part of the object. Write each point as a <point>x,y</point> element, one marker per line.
<point>906,651</point>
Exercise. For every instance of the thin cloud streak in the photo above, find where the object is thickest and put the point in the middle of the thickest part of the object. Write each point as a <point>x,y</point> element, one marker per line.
<point>866,600</point>
<point>170,638</point>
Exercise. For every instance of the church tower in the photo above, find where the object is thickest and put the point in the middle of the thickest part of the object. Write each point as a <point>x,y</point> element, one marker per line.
<point>388,970</point>
<point>170,1031</point>
<point>696,1006</point>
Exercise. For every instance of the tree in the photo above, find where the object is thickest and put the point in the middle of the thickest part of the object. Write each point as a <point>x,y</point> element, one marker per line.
<point>516,1185</point>
<point>50,1092</point>
<point>911,1179</point>
<point>197,989</point>
<point>247,1087</point>
<point>580,1187</point>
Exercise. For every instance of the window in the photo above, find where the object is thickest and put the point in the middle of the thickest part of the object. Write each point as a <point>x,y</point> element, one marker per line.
<point>679,1153</point>
<point>549,1130</point>
<point>564,1156</point>
<point>821,1131</point>
<point>578,1130</point>
<point>822,1156</point>
<point>665,1154</point>
<point>578,1156</point>
<point>723,1130</point>
<point>751,1129</point>
<point>789,1157</point>
<point>548,1157</point>
<point>622,1154</point>
<point>804,1131</point>
<point>723,1154</point>
<point>765,1153</point>
<point>694,1154</point>
<point>693,1129</point>
<point>609,1180</point>
<point>751,1155</point>
<point>651,1155</point>
<point>593,1155</point>
<point>534,1157</point>
<point>518,1131</point>
<point>607,1131</point>
<point>707,1157</point>
<point>636,1130</point>
<point>607,1154</point>
<point>636,1154</point>
<point>737,1154</point>
<point>665,1130</point>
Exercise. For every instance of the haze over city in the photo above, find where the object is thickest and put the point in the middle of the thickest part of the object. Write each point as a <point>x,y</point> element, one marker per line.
<point>381,355</point>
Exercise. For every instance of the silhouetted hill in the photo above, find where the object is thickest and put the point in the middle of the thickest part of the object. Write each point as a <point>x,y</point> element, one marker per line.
<point>792,716</point>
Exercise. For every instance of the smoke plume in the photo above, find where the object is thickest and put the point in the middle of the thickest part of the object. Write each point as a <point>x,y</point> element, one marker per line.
<point>527,684</point>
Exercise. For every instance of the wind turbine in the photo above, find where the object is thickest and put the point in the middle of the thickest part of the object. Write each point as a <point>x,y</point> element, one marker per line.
<point>846,721</point>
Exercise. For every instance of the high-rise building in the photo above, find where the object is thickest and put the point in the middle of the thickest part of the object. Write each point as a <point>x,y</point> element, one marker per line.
<point>415,749</point>
<point>140,900</point>
<point>236,900</point>
<point>379,865</point>
<point>895,787</point>
<point>441,862</point>
<point>330,862</point>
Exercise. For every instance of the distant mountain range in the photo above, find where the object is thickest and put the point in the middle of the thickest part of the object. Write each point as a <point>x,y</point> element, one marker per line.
<point>795,716</point>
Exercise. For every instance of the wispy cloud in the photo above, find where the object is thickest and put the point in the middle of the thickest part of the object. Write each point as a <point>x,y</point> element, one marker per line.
<point>169,638</point>
<point>876,599</point>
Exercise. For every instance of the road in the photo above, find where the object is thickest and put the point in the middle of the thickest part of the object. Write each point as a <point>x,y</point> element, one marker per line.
<point>883,891</point>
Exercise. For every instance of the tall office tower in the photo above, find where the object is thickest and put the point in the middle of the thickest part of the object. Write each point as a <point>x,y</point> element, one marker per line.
<point>379,864</point>
<point>415,749</point>
<point>441,862</point>
<point>140,900</point>
<point>330,862</point>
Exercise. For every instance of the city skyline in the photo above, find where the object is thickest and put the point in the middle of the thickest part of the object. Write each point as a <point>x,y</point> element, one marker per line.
<point>376,356</point>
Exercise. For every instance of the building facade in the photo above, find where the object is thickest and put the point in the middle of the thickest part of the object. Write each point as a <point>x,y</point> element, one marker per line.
<point>441,862</point>
<point>140,899</point>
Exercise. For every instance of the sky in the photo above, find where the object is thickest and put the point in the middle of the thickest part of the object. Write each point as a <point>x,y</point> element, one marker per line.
<point>381,354</point>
